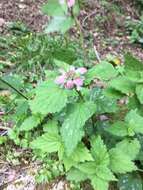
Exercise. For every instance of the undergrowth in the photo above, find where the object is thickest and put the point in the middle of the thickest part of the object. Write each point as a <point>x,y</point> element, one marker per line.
<point>83,121</point>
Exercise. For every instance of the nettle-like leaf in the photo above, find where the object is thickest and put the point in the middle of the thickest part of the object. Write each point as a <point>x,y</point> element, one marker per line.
<point>76,175</point>
<point>135,121</point>
<point>102,71</point>
<point>119,128</point>
<point>129,147</point>
<point>97,171</point>
<point>131,63</point>
<point>31,122</point>
<point>120,162</point>
<point>139,92</point>
<point>80,154</point>
<point>99,151</point>
<point>123,85</point>
<point>60,24</point>
<point>54,8</point>
<point>49,98</point>
<point>134,76</point>
<point>104,104</point>
<point>131,181</point>
<point>72,129</point>
<point>48,142</point>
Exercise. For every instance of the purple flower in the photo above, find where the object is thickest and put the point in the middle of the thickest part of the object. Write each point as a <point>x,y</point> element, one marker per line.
<point>60,80</point>
<point>71,78</point>
<point>78,82</point>
<point>69,84</point>
<point>81,70</point>
<point>70,3</point>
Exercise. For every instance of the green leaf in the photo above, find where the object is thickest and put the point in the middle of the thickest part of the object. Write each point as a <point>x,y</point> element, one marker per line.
<point>59,24</point>
<point>99,174</point>
<point>76,175</point>
<point>30,123</point>
<point>102,71</point>
<point>51,126</point>
<point>139,92</point>
<point>120,162</point>
<point>80,154</point>
<point>112,93</point>
<point>119,128</point>
<point>104,104</point>
<point>88,167</point>
<point>123,85</point>
<point>49,98</point>
<point>3,139</point>
<point>105,173</point>
<point>131,63</point>
<point>48,142</point>
<point>98,183</point>
<point>129,147</point>
<point>135,121</point>
<point>61,64</point>
<point>72,127</point>
<point>130,182</point>
<point>135,76</point>
<point>54,8</point>
<point>99,151</point>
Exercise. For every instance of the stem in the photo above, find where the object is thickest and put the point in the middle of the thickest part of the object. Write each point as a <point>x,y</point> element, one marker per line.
<point>78,25</point>
<point>79,93</point>
<point>16,90</point>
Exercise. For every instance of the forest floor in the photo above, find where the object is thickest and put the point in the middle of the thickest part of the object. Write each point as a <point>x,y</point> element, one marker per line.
<point>105,24</point>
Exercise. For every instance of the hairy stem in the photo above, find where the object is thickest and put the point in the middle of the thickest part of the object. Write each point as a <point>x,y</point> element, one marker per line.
<point>12,87</point>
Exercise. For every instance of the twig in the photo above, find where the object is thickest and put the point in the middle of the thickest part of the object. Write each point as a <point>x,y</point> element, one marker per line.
<point>88,16</point>
<point>97,54</point>
<point>16,90</point>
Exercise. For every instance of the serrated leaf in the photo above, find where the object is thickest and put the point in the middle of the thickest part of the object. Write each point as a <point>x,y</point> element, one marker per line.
<point>139,92</point>
<point>99,174</point>
<point>59,24</point>
<point>105,173</point>
<point>129,147</point>
<point>135,121</point>
<point>72,127</point>
<point>123,85</point>
<point>130,182</point>
<point>80,154</point>
<point>120,162</point>
<point>98,183</point>
<point>87,167</point>
<point>54,8</point>
<point>131,63</point>
<point>48,142</point>
<point>49,98</point>
<point>119,128</point>
<point>104,104</point>
<point>76,175</point>
<point>102,71</point>
<point>30,123</point>
<point>99,151</point>
<point>51,126</point>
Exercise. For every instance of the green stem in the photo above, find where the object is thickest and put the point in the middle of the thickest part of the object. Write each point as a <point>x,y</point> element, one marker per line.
<point>16,90</point>
<point>80,95</point>
<point>78,25</point>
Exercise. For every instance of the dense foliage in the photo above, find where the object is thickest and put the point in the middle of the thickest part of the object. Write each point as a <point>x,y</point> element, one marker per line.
<point>85,120</point>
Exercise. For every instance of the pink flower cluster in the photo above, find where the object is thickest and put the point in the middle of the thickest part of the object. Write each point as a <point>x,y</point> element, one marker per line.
<point>71,78</point>
<point>70,3</point>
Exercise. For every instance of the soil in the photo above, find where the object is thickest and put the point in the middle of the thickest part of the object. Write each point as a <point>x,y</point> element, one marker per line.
<point>26,11</point>
<point>109,38</point>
